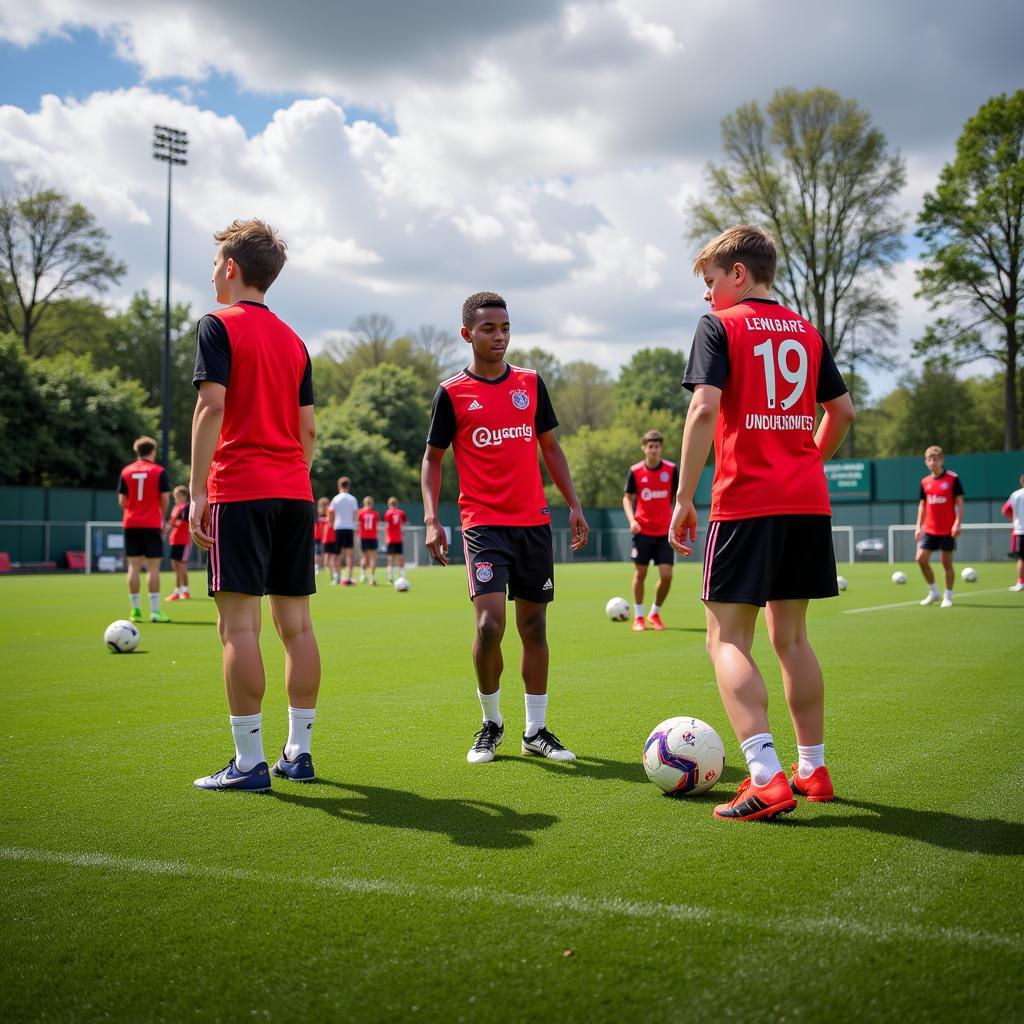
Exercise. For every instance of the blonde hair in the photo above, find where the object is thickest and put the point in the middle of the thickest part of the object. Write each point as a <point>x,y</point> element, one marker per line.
<point>933,450</point>
<point>144,446</point>
<point>745,243</point>
<point>257,249</point>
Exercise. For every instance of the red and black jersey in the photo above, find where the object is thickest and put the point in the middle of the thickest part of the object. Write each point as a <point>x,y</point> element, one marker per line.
<point>939,494</point>
<point>493,426</point>
<point>655,491</point>
<point>142,482</point>
<point>772,367</point>
<point>394,520</point>
<point>325,529</point>
<point>180,533</point>
<point>268,375</point>
<point>368,520</point>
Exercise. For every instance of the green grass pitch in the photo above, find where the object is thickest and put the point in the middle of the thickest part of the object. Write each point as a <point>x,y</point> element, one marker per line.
<point>408,885</point>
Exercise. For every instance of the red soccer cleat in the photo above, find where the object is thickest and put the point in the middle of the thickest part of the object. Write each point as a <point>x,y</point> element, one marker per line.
<point>173,597</point>
<point>185,597</point>
<point>655,621</point>
<point>817,787</point>
<point>639,625</point>
<point>753,803</point>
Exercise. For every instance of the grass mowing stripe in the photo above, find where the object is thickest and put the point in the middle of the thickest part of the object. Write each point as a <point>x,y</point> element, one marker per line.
<point>584,905</point>
<point>910,604</point>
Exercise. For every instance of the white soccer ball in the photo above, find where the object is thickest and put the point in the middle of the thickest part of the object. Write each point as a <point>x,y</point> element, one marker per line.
<point>968,575</point>
<point>122,637</point>
<point>401,584</point>
<point>684,755</point>
<point>899,577</point>
<point>841,582</point>
<point>617,609</point>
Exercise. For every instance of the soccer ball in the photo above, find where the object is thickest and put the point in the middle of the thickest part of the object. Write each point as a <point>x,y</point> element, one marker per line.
<point>684,755</point>
<point>617,609</point>
<point>122,637</point>
<point>969,575</point>
<point>841,582</point>
<point>401,584</point>
<point>899,577</point>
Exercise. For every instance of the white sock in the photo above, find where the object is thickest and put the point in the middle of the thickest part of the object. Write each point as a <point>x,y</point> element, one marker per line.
<point>655,608</point>
<point>391,575</point>
<point>933,588</point>
<point>401,572</point>
<point>762,760</point>
<point>638,610</point>
<point>489,705</point>
<point>248,733</point>
<point>536,712</point>
<point>810,758</point>
<point>949,594</point>
<point>184,589</point>
<point>300,731</point>
<point>135,599</point>
<point>154,602</point>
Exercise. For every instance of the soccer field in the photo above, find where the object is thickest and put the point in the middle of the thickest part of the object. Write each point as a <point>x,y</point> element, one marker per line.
<point>408,885</point>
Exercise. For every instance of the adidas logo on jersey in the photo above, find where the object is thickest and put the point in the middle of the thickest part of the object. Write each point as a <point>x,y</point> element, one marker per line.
<point>474,406</point>
<point>549,585</point>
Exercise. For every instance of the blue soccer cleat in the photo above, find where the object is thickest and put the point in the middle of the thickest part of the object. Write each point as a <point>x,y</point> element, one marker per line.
<point>255,781</point>
<point>299,770</point>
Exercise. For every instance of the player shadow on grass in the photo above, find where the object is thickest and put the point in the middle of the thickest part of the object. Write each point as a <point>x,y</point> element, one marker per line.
<point>937,828</point>
<point>604,768</point>
<point>466,822</point>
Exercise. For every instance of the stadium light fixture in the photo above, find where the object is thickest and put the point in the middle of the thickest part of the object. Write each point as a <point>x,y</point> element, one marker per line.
<point>171,146</point>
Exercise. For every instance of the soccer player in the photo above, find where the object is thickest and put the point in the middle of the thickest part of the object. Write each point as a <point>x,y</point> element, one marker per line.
<point>327,549</point>
<point>344,508</point>
<point>394,521</point>
<point>1014,510</point>
<point>651,485</point>
<point>757,371</point>
<point>939,514</point>
<point>253,433</point>
<point>179,537</point>
<point>143,493</point>
<point>494,416</point>
<point>369,518</point>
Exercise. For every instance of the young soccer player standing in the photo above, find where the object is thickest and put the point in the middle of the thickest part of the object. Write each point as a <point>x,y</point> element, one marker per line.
<point>939,514</point>
<point>757,371</point>
<point>143,493</point>
<point>651,485</point>
<point>344,508</point>
<point>369,519</point>
<point>179,537</point>
<point>252,503</point>
<point>327,549</point>
<point>1014,511</point>
<point>394,520</point>
<point>494,416</point>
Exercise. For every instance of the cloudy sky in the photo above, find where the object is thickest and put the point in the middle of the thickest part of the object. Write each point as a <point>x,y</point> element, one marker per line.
<point>412,153</point>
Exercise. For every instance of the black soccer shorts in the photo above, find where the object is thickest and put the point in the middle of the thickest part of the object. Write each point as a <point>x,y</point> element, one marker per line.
<point>937,542</point>
<point>519,558</point>
<point>369,544</point>
<point>180,552</point>
<point>262,547</point>
<point>648,548</point>
<point>344,539</point>
<point>395,547</point>
<point>143,542</point>
<point>769,558</point>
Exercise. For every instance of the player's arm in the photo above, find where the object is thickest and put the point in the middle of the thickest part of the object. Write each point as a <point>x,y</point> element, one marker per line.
<point>832,429</point>
<point>206,423</point>
<point>958,505</point>
<point>1007,510</point>
<point>122,493</point>
<point>558,469</point>
<point>430,486</point>
<point>698,436</point>
<point>919,526</point>
<point>307,430</point>
<point>628,499</point>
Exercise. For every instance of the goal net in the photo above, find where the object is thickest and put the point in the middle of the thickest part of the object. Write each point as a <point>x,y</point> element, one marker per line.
<point>978,542</point>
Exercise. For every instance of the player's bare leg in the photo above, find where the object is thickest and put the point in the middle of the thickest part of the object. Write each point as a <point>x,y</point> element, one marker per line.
<point>153,574</point>
<point>134,583</point>
<point>371,566</point>
<point>639,581</point>
<point>489,611</point>
<point>664,585</point>
<point>302,681</point>
<point>924,557</point>
<point>238,622</point>
<point>531,621</point>
<point>947,566</point>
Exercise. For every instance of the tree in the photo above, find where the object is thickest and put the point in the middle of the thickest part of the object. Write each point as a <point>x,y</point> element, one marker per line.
<point>599,460</point>
<point>813,170</point>
<point>584,397</point>
<point>50,249</point>
<point>546,364</point>
<point>973,229</point>
<point>654,376</point>
<point>437,351</point>
<point>22,414</point>
<point>383,401</point>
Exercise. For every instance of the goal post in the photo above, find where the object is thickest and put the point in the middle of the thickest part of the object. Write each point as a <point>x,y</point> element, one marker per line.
<point>978,542</point>
<point>842,543</point>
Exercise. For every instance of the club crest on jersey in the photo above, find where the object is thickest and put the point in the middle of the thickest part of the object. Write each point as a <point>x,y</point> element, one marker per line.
<point>484,572</point>
<point>664,477</point>
<point>520,399</point>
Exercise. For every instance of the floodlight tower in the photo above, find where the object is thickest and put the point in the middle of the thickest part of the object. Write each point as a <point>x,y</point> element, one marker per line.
<point>169,145</point>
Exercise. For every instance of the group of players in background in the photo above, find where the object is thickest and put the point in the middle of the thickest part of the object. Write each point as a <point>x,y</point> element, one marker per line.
<point>757,372</point>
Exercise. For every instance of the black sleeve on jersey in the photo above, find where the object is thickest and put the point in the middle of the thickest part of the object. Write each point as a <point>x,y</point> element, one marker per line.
<point>122,487</point>
<point>709,355</point>
<point>213,352</point>
<point>630,487</point>
<point>306,385</point>
<point>675,480</point>
<point>441,431</point>
<point>920,497</point>
<point>958,488</point>
<point>545,419</point>
<point>165,481</point>
<point>830,380</point>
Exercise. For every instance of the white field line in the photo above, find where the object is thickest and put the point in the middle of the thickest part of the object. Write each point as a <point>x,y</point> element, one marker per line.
<point>587,906</point>
<point>910,604</point>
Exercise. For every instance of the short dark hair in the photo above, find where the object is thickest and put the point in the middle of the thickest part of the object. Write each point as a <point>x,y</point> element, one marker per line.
<point>744,243</point>
<point>257,249</point>
<point>344,483</point>
<point>480,300</point>
<point>144,446</point>
<point>653,435</point>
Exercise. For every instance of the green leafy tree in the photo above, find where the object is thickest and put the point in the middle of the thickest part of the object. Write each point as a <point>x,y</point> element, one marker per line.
<point>551,370</point>
<point>972,226</point>
<point>50,249</point>
<point>940,409</point>
<point>384,401</point>
<point>599,460</point>
<point>23,416</point>
<point>654,376</point>
<point>811,168</point>
<point>584,397</point>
